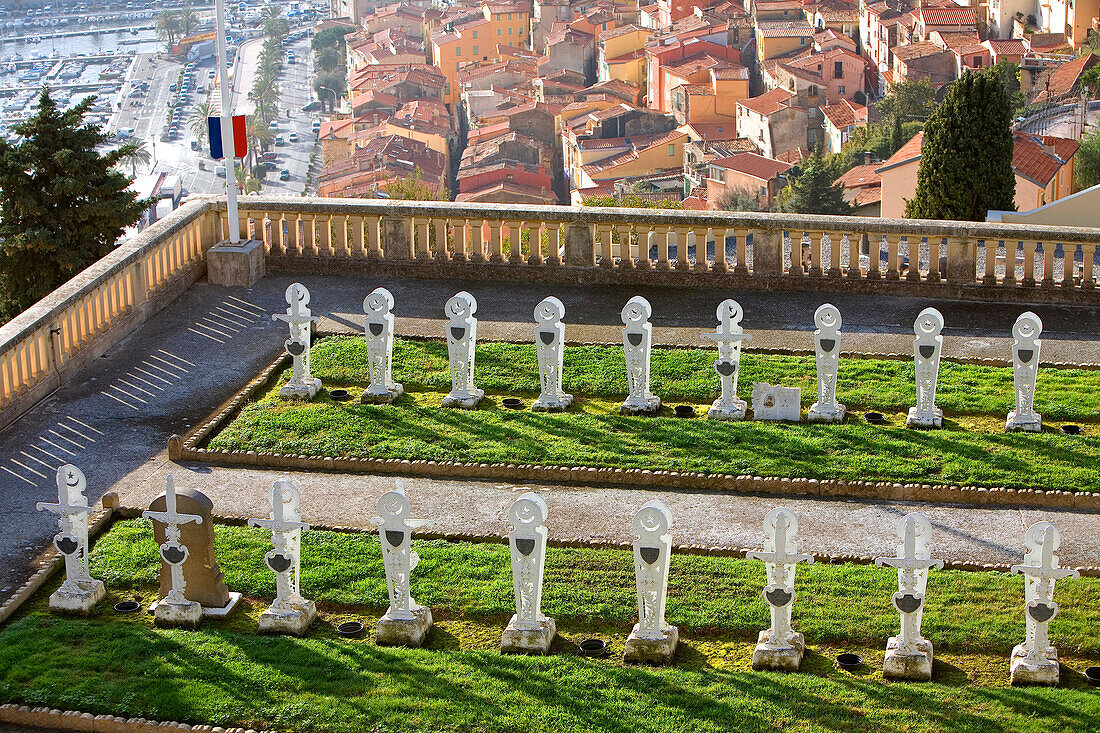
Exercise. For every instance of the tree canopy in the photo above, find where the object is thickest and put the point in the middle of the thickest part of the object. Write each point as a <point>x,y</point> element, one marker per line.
<point>966,158</point>
<point>811,190</point>
<point>63,205</point>
<point>1086,164</point>
<point>908,101</point>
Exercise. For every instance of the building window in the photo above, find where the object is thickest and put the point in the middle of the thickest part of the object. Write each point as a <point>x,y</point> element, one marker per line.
<point>509,16</point>
<point>510,31</point>
<point>840,89</point>
<point>671,149</point>
<point>838,70</point>
<point>475,50</point>
<point>458,51</point>
<point>499,33</point>
<point>475,34</point>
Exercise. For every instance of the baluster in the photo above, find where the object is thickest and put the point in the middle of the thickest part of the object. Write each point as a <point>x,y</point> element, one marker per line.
<point>720,235</point>
<point>1010,261</point>
<point>661,233</point>
<point>874,256</point>
<point>603,234</point>
<point>742,243</point>
<point>893,257</point>
<point>1029,263</point>
<point>934,259</point>
<point>290,238</point>
<point>990,262</point>
<point>816,243</point>
<point>356,241</point>
<point>476,243</point>
<point>799,252</point>
<point>854,240</point>
<point>461,236</point>
<point>912,249</point>
<point>534,242</point>
<point>515,241</point>
<point>642,231</point>
<point>497,254</point>
<point>1089,252</point>
<point>372,225</point>
<point>626,254</point>
<point>1048,264</point>
<point>701,233</point>
<point>420,238</point>
<point>835,251</point>
<point>553,243</point>
<point>340,226</point>
<point>1069,264</point>
<point>441,227</point>
<point>683,262</point>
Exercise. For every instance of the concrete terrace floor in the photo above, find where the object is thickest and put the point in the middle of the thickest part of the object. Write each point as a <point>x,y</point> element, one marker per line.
<point>114,418</point>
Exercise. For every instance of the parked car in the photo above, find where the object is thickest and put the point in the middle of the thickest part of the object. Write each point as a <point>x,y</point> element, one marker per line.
<point>293,137</point>
<point>278,139</point>
<point>284,175</point>
<point>219,171</point>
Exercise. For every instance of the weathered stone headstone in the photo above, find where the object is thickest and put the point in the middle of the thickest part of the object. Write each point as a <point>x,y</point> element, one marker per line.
<point>550,347</point>
<point>191,583</point>
<point>730,338</point>
<point>461,347</point>
<point>1025,367</point>
<point>771,402</point>
<point>528,631</point>
<point>406,622</point>
<point>299,319</point>
<point>80,591</point>
<point>779,647</point>
<point>289,613</point>
<point>652,639</point>
<point>637,344</point>
<point>827,350</point>
<point>926,358</point>
<point>909,655</point>
<point>378,329</point>
<point>1036,660</point>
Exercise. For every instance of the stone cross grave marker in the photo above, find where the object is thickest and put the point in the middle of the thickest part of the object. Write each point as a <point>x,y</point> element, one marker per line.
<point>461,343</point>
<point>1025,367</point>
<point>405,623</point>
<point>638,344</point>
<point>528,631</point>
<point>175,608</point>
<point>80,591</point>
<point>652,639</point>
<point>289,613</point>
<point>772,402</point>
<point>299,319</point>
<point>1036,660</point>
<point>378,329</point>
<point>926,358</point>
<point>779,647</point>
<point>909,655</point>
<point>550,347</point>
<point>730,338</point>
<point>827,349</point>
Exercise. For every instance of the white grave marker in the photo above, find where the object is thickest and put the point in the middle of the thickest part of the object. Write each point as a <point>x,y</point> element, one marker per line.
<point>406,623</point>
<point>378,329</point>
<point>528,631</point>
<point>652,639</point>
<point>550,347</point>
<point>926,359</point>
<point>1025,367</point>
<point>771,402</point>
<point>80,591</point>
<point>637,345</point>
<point>289,612</point>
<point>1036,661</point>
<point>302,384</point>
<point>827,349</point>
<point>174,608</point>
<point>730,338</point>
<point>461,343</point>
<point>779,647</point>
<point>909,655</point>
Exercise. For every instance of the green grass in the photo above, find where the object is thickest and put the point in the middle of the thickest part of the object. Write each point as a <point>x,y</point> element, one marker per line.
<point>973,450</point>
<point>226,674</point>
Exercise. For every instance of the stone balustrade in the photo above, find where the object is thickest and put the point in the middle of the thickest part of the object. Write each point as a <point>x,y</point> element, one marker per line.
<point>52,340</point>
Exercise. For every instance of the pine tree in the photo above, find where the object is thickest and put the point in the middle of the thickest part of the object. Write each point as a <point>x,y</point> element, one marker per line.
<point>63,205</point>
<point>813,192</point>
<point>966,158</point>
<point>896,140</point>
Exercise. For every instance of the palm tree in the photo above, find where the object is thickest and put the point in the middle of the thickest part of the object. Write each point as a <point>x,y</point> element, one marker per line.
<point>329,59</point>
<point>266,111</point>
<point>167,26</point>
<point>245,182</point>
<point>198,124</point>
<point>137,152</point>
<point>188,21</point>
<point>273,23</point>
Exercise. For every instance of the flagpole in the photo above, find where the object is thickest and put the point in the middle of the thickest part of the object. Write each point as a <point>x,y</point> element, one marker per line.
<point>228,147</point>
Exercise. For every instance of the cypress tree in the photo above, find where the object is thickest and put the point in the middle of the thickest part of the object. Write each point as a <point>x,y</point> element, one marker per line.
<point>814,192</point>
<point>966,159</point>
<point>63,205</point>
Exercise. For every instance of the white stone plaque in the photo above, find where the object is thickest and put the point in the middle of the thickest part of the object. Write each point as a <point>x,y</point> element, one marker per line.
<point>637,345</point>
<point>652,639</point>
<point>550,347</point>
<point>80,591</point>
<point>780,646</point>
<point>289,612</point>
<point>771,402</point>
<point>528,631</point>
<point>1025,367</point>
<point>926,360</point>
<point>299,319</point>
<point>378,329</point>
<point>730,338</point>
<point>827,350</point>
<point>405,623</point>
<point>461,342</point>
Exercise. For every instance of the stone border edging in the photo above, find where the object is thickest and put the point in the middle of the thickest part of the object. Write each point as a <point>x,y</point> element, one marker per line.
<point>42,717</point>
<point>186,449</point>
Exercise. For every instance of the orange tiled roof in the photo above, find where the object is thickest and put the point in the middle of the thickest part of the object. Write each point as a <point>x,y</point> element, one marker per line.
<point>751,164</point>
<point>767,104</point>
<point>910,151</point>
<point>1039,158</point>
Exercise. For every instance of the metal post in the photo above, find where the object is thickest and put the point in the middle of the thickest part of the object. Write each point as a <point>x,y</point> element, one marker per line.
<point>228,147</point>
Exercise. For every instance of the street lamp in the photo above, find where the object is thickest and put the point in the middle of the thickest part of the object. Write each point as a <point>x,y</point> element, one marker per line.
<point>334,95</point>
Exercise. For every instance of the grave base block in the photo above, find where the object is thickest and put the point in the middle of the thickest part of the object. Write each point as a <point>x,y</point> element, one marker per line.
<point>528,641</point>
<point>651,651</point>
<point>779,658</point>
<point>918,419</point>
<point>404,631</point>
<point>1041,670</point>
<point>734,411</point>
<point>818,415</point>
<point>219,611</point>
<point>300,389</point>
<point>553,405</point>
<point>383,398</point>
<point>177,614</point>
<point>464,403</point>
<point>650,407</point>
<point>290,618</point>
<point>77,596</point>
<point>235,265</point>
<point>914,665</point>
<point>1030,424</point>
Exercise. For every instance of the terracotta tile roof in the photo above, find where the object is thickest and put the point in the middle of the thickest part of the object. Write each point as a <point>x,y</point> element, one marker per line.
<point>952,41</point>
<point>1063,80</point>
<point>1039,158</point>
<point>511,188</point>
<point>868,195</point>
<point>727,148</point>
<point>956,15</point>
<point>710,131</point>
<point>767,104</point>
<point>793,156</point>
<point>1007,46</point>
<point>911,51</point>
<point>861,176</point>
<point>845,113</point>
<point>785,29</point>
<point>633,153</point>
<point>751,164</point>
<point>908,152</point>
<point>737,72</point>
<point>620,31</point>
